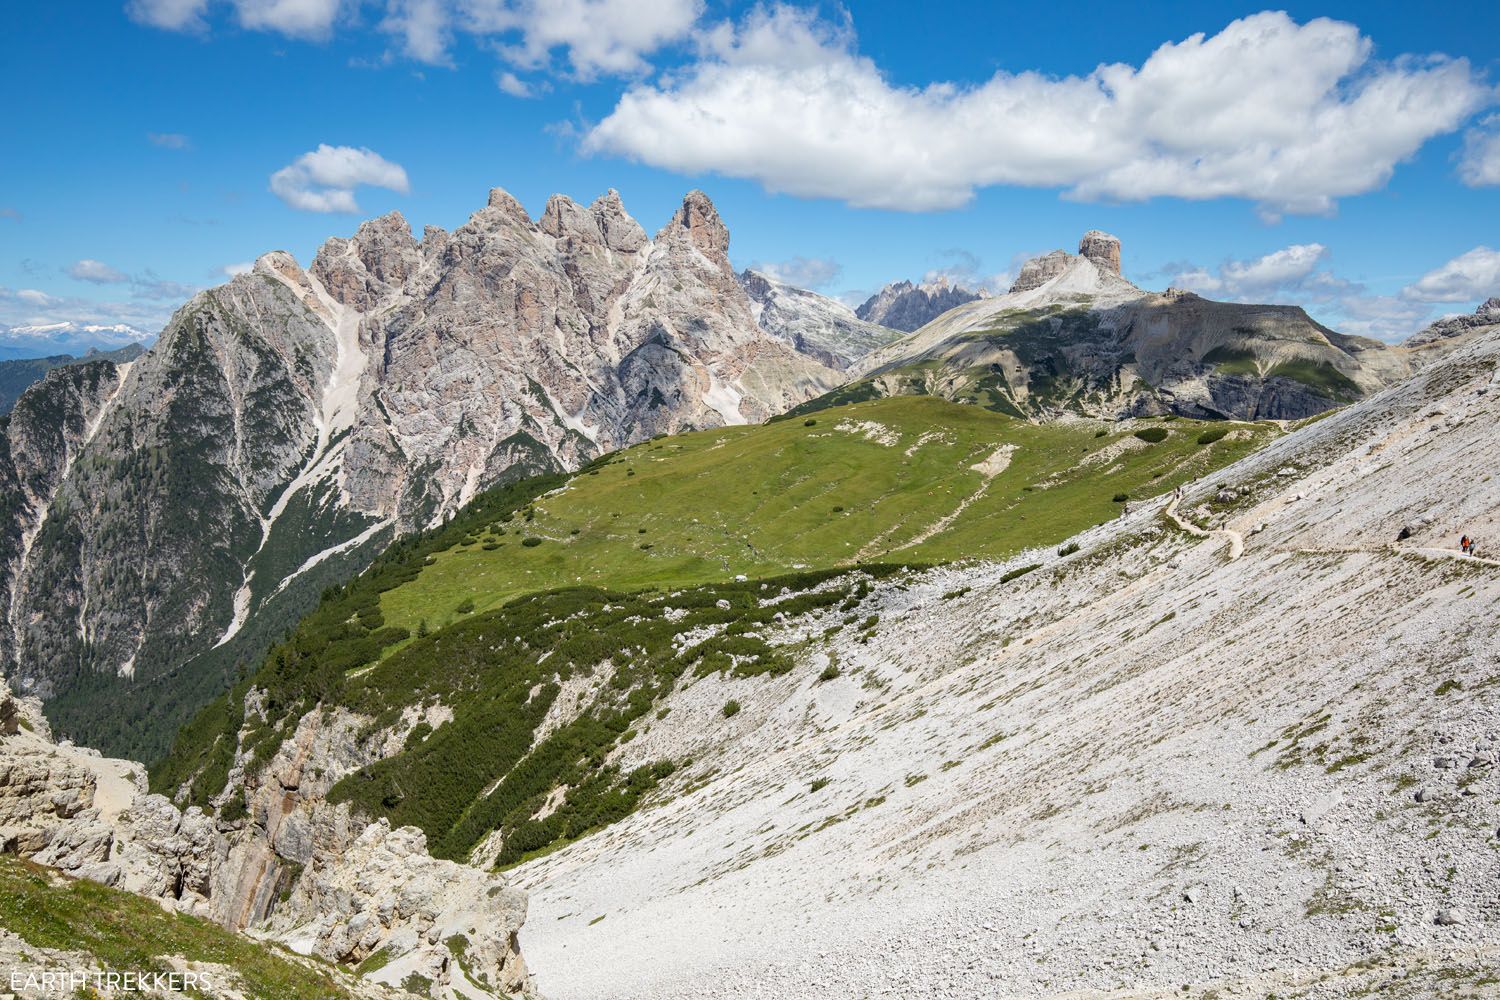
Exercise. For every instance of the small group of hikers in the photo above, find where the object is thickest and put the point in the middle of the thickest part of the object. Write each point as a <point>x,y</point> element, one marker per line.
<point>1468,546</point>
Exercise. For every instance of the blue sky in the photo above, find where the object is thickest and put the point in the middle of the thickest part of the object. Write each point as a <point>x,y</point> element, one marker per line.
<point>1345,156</point>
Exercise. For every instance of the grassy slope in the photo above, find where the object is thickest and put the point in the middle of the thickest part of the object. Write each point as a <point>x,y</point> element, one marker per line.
<point>124,932</point>
<point>761,500</point>
<point>471,617</point>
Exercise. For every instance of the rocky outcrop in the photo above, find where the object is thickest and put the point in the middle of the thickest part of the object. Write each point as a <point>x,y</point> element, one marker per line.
<point>1037,271</point>
<point>293,868</point>
<point>814,324</point>
<point>1451,332</point>
<point>902,305</point>
<point>289,423</point>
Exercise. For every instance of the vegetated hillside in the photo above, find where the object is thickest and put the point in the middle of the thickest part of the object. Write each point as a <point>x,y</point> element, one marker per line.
<point>18,375</point>
<point>1244,746</point>
<point>1073,336</point>
<point>546,621</point>
<point>50,923</point>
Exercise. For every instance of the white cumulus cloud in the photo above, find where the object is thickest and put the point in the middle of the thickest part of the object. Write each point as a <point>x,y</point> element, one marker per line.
<point>1480,163</point>
<point>296,18</point>
<point>424,26</point>
<point>594,36</point>
<point>1291,116</point>
<point>1469,276</point>
<point>96,271</point>
<point>324,179</point>
<point>238,268</point>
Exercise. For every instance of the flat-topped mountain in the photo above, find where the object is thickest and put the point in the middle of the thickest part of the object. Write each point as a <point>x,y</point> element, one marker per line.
<point>290,423</point>
<point>1073,335</point>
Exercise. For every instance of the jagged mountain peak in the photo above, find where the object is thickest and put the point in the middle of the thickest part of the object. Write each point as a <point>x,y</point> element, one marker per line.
<point>564,218</point>
<point>902,305</point>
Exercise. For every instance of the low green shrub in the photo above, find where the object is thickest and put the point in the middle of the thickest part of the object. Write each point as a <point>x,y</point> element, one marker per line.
<point>1152,435</point>
<point>1212,434</point>
<point>1018,572</point>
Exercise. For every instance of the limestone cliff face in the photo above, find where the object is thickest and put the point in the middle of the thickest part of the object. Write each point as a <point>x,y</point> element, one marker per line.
<point>171,516</point>
<point>291,867</point>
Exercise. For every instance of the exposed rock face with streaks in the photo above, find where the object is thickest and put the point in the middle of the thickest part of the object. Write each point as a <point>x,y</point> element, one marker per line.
<point>291,867</point>
<point>816,325</point>
<point>290,422</point>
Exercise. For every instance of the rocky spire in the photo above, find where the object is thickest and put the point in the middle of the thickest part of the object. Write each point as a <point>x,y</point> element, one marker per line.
<point>1101,248</point>
<point>506,205</point>
<point>565,218</point>
<point>620,231</point>
<point>698,221</point>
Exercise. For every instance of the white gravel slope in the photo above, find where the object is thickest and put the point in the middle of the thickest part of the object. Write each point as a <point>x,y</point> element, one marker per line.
<point>1141,766</point>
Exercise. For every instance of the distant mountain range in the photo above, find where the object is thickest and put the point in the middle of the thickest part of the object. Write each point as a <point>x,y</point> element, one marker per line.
<point>49,339</point>
<point>822,327</point>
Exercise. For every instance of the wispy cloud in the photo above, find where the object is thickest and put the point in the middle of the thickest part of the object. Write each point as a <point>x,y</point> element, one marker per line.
<point>96,272</point>
<point>169,140</point>
<point>802,272</point>
<point>1300,274</point>
<point>1479,165</point>
<point>583,39</point>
